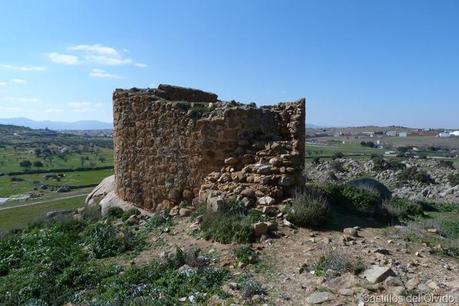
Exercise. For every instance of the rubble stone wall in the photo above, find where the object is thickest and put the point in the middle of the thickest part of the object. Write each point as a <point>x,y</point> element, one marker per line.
<point>173,144</point>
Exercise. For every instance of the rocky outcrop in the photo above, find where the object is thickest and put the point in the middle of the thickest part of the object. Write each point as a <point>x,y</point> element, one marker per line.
<point>439,190</point>
<point>175,144</point>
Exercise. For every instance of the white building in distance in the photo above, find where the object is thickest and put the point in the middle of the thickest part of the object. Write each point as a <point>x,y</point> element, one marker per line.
<point>391,133</point>
<point>444,134</point>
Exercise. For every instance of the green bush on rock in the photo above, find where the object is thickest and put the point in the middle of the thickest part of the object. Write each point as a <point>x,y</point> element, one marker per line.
<point>372,185</point>
<point>454,179</point>
<point>354,199</point>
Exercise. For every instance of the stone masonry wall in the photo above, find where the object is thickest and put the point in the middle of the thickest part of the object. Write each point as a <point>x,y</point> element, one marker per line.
<point>174,144</point>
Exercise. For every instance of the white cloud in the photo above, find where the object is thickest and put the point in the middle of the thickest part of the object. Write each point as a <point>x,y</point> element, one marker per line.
<point>96,54</point>
<point>96,49</point>
<point>20,99</point>
<point>18,81</point>
<point>102,55</point>
<point>66,59</point>
<point>13,81</point>
<point>99,73</point>
<point>23,68</point>
<point>107,60</point>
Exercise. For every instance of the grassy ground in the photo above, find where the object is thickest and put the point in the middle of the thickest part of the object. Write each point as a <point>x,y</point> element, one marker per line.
<point>21,216</point>
<point>83,263</point>
<point>348,149</point>
<point>438,217</point>
<point>30,181</point>
<point>48,197</point>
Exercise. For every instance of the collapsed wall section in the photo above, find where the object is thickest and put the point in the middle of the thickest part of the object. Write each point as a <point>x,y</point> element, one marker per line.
<point>173,144</point>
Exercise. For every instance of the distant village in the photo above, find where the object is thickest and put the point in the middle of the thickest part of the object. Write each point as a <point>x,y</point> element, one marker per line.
<point>361,132</point>
<point>388,138</point>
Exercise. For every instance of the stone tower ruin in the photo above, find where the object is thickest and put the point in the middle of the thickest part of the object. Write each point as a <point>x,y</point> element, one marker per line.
<point>175,144</point>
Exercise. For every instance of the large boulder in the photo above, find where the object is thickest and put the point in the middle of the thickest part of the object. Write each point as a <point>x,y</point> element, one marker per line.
<point>112,200</point>
<point>107,185</point>
<point>105,197</point>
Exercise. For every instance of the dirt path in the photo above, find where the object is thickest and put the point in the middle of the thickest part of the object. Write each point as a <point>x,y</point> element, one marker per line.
<point>43,201</point>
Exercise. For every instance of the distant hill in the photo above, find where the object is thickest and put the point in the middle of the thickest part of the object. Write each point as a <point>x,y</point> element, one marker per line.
<point>313,126</point>
<point>58,125</point>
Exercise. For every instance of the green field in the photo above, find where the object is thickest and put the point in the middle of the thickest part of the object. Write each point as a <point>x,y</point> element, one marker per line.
<point>31,181</point>
<point>24,151</point>
<point>348,149</point>
<point>326,147</point>
<point>19,217</point>
<point>10,157</point>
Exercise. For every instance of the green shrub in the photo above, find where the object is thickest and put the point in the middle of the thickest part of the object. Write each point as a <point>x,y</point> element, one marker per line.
<point>316,161</point>
<point>235,207</point>
<point>308,210</point>
<point>395,164</point>
<point>232,225</point>
<point>447,227</point>
<point>380,164</point>
<point>92,213</point>
<point>249,287</point>
<point>50,263</point>
<point>415,174</point>
<point>454,179</point>
<point>337,166</point>
<point>439,206</point>
<point>339,261</point>
<point>447,239</point>
<point>130,212</point>
<point>372,185</point>
<point>31,260</point>
<point>184,204</point>
<point>353,199</point>
<point>198,110</point>
<point>402,209</point>
<point>369,144</point>
<point>337,155</point>
<point>161,283</point>
<point>200,210</point>
<point>226,228</point>
<point>115,212</point>
<point>16,179</point>
<point>448,164</point>
<point>404,149</point>
<point>105,240</point>
<point>245,254</point>
<point>160,221</point>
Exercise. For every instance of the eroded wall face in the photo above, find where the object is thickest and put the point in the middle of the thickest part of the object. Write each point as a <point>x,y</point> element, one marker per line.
<point>165,150</point>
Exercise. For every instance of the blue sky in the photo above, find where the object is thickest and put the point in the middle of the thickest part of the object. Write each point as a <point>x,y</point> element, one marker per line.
<point>356,62</point>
